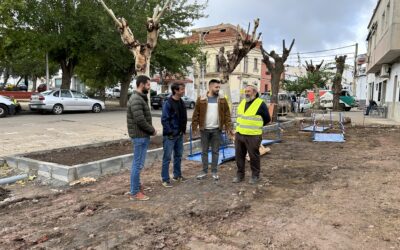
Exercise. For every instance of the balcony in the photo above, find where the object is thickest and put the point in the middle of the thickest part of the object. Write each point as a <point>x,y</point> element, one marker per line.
<point>386,51</point>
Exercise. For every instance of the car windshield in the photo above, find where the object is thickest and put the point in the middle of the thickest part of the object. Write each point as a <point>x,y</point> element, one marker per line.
<point>47,92</point>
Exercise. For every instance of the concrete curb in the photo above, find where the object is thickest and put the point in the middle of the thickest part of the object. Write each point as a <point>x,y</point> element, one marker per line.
<point>68,174</point>
<point>98,168</point>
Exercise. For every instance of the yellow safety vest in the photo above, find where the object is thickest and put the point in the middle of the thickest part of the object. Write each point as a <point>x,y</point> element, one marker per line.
<point>248,123</point>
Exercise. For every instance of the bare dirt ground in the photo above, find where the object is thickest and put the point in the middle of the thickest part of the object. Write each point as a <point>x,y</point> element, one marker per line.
<point>312,196</point>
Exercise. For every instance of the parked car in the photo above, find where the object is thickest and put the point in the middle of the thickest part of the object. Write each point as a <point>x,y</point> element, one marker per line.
<point>305,104</point>
<point>189,102</point>
<point>60,100</point>
<point>8,106</point>
<point>113,93</point>
<point>284,102</point>
<point>158,100</point>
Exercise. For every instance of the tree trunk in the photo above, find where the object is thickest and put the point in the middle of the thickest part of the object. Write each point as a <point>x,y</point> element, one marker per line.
<point>67,69</point>
<point>316,98</point>
<point>6,76</point>
<point>337,81</point>
<point>26,82</point>
<point>275,80</point>
<point>337,88</point>
<point>34,82</point>
<point>125,82</point>
<point>123,98</point>
<point>226,88</point>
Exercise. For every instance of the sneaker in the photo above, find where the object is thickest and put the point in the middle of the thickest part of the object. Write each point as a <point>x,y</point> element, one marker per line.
<point>180,179</point>
<point>139,197</point>
<point>167,184</point>
<point>201,176</point>
<point>237,179</point>
<point>254,180</point>
<point>215,176</point>
<point>141,188</point>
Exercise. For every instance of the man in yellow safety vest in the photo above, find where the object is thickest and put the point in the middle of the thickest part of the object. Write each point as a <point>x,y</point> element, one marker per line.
<point>252,115</point>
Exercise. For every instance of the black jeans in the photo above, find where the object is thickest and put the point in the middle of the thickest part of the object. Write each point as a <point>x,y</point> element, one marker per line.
<point>210,137</point>
<point>250,144</point>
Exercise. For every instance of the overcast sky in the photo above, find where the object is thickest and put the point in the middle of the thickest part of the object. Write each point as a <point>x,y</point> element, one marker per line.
<point>315,24</point>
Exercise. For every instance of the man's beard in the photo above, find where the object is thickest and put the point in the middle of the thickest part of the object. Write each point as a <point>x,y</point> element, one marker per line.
<point>145,91</point>
<point>248,98</point>
<point>215,92</point>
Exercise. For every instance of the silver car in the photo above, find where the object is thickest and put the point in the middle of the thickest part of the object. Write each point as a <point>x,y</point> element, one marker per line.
<point>60,100</point>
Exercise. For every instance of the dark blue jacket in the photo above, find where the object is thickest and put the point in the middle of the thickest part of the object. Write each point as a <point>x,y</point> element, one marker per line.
<point>172,123</point>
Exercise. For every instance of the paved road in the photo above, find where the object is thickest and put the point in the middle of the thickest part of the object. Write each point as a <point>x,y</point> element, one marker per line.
<point>34,132</point>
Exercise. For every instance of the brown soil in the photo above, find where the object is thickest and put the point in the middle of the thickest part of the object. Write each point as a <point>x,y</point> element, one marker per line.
<point>312,196</point>
<point>77,155</point>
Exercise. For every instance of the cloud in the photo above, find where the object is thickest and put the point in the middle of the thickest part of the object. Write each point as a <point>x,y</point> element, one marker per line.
<point>315,24</point>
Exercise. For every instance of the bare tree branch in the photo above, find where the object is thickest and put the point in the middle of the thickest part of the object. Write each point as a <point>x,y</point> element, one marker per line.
<point>111,13</point>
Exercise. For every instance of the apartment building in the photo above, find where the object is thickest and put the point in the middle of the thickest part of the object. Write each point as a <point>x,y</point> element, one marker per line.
<point>250,70</point>
<point>383,66</point>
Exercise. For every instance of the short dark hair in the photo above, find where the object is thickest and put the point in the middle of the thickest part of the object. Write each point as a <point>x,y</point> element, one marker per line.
<point>175,87</point>
<point>213,81</point>
<point>141,79</point>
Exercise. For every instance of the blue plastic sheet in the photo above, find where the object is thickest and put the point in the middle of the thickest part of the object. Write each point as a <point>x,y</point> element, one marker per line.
<point>317,129</point>
<point>322,137</point>
<point>226,153</point>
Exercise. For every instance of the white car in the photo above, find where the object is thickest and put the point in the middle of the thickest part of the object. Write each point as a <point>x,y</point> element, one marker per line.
<point>60,100</point>
<point>7,107</point>
<point>305,104</point>
<point>113,93</point>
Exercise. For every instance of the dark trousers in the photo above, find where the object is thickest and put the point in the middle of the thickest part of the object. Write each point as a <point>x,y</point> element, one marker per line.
<point>210,137</point>
<point>250,144</point>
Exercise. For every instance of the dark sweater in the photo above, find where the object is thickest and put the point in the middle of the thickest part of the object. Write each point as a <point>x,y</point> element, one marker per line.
<point>139,116</point>
<point>262,111</point>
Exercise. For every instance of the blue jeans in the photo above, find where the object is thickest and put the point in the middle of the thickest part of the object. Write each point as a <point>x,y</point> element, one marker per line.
<point>172,145</point>
<point>140,146</point>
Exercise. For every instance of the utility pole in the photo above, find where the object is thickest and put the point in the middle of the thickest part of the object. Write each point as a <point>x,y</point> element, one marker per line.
<point>47,71</point>
<point>355,70</point>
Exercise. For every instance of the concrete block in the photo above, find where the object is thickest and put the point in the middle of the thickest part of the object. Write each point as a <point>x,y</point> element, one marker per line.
<point>112,165</point>
<point>12,162</point>
<point>64,173</point>
<point>28,165</point>
<point>45,170</point>
<point>91,169</point>
<point>127,161</point>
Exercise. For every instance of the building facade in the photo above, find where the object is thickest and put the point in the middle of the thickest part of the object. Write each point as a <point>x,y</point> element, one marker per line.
<point>250,70</point>
<point>383,66</point>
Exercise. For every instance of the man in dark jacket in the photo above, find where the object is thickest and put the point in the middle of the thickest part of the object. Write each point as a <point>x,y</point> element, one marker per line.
<point>174,120</point>
<point>140,129</point>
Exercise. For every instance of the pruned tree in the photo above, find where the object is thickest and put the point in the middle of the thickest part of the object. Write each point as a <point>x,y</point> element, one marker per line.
<point>337,81</point>
<point>276,69</point>
<point>141,51</point>
<point>228,62</point>
<point>314,70</point>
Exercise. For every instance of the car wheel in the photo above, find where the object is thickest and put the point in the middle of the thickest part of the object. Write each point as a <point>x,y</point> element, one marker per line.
<point>347,108</point>
<point>302,110</point>
<point>191,105</point>
<point>58,109</point>
<point>96,108</point>
<point>3,110</point>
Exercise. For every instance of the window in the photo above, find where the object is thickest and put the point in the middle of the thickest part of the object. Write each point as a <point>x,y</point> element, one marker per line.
<point>387,13</point>
<point>383,23</point>
<point>255,64</point>
<point>56,94</point>
<point>379,91</point>
<point>78,94</point>
<point>66,93</point>
<point>246,64</point>
<point>223,30</point>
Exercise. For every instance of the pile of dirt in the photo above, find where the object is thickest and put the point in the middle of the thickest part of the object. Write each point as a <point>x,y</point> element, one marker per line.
<point>69,156</point>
